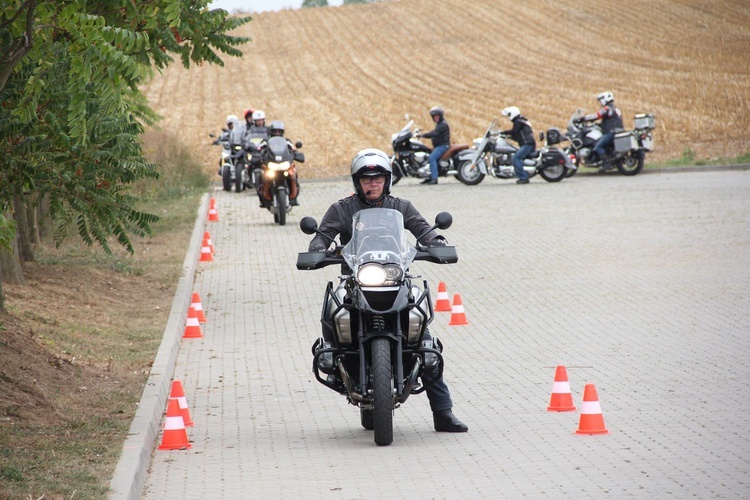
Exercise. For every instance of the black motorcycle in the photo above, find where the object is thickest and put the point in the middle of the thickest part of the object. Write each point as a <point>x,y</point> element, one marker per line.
<point>493,155</point>
<point>278,184</point>
<point>627,152</point>
<point>411,156</point>
<point>378,317</point>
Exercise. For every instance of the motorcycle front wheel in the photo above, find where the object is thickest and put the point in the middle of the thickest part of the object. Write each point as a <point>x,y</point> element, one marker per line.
<point>572,171</point>
<point>631,164</point>
<point>397,168</point>
<point>238,185</point>
<point>365,418</point>
<point>282,200</point>
<point>382,391</point>
<point>226,178</point>
<point>469,173</point>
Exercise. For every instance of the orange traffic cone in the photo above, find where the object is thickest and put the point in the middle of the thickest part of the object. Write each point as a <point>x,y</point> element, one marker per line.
<point>175,435</point>
<point>592,420</point>
<point>213,214</point>
<point>457,313</point>
<point>443,302</point>
<point>178,393</point>
<point>192,326</point>
<point>562,399</point>
<point>206,255</point>
<point>207,237</point>
<point>196,304</point>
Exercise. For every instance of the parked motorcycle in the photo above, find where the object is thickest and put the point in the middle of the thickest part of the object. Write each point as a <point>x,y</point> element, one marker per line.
<point>411,156</point>
<point>627,153</point>
<point>493,155</point>
<point>378,317</point>
<point>279,182</point>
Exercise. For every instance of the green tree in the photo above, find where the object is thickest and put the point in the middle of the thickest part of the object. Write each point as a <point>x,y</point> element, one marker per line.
<point>348,2</point>
<point>71,112</point>
<point>314,3</point>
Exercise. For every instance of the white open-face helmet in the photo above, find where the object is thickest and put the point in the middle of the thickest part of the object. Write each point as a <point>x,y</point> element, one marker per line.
<point>605,98</point>
<point>511,112</point>
<point>232,119</point>
<point>258,115</point>
<point>371,162</point>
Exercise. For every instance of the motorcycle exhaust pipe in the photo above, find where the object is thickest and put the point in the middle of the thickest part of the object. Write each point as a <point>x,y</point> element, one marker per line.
<point>347,380</point>
<point>411,380</point>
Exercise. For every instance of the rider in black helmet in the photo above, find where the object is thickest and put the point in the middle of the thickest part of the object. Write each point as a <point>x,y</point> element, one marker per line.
<point>441,140</point>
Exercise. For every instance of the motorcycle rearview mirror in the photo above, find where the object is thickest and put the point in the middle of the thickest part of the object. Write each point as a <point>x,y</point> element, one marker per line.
<point>298,145</point>
<point>308,225</point>
<point>443,220</point>
<point>541,136</point>
<point>211,135</point>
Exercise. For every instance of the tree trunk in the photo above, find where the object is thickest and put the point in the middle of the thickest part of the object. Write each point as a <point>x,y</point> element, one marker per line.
<point>10,265</point>
<point>31,216</point>
<point>26,254</point>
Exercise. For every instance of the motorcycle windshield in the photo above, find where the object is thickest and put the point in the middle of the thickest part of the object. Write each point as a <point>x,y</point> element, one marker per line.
<point>378,235</point>
<point>278,149</point>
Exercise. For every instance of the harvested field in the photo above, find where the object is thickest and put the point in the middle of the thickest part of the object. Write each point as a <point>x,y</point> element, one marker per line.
<point>342,78</point>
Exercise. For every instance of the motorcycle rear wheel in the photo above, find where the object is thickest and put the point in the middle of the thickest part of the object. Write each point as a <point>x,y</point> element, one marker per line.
<point>555,173</point>
<point>382,390</point>
<point>365,418</point>
<point>631,164</point>
<point>469,174</point>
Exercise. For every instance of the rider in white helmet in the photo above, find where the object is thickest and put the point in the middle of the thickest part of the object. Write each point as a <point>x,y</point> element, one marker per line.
<point>523,134</point>
<point>371,175</point>
<point>611,122</point>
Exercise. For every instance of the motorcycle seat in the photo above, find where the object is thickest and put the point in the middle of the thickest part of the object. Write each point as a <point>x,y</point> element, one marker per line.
<point>453,149</point>
<point>534,154</point>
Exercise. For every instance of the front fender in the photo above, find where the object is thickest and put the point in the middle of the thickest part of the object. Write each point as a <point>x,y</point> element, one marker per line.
<point>475,156</point>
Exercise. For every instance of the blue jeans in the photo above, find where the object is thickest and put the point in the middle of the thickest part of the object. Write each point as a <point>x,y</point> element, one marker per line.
<point>603,143</point>
<point>434,158</point>
<point>518,158</point>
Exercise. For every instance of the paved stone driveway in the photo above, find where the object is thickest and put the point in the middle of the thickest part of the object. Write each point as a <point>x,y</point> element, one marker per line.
<point>639,285</point>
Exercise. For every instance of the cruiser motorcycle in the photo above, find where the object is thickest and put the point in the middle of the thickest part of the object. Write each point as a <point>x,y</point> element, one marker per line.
<point>378,315</point>
<point>411,156</point>
<point>493,155</point>
<point>627,153</point>
<point>279,178</point>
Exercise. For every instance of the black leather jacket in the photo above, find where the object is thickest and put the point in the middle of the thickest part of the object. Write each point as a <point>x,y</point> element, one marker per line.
<point>521,132</point>
<point>441,136</point>
<point>338,221</point>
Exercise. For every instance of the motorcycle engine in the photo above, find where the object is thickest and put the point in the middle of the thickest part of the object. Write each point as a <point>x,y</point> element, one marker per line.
<point>420,158</point>
<point>585,153</point>
<point>502,159</point>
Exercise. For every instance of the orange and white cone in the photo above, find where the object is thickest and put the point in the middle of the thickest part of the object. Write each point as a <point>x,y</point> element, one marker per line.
<point>195,303</point>
<point>207,237</point>
<point>443,302</point>
<point>206,255</point>
<point>213,214</point>
<point>561,399</point>
<point>192,325</point>
<point>178,393</point>
<point>592,420</point>
<point>458,317</point>
<point>175,435</point>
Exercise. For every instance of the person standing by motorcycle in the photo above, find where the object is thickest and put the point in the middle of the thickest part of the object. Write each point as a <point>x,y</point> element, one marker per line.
<point>371,175</point>
<point>523,134</point>
<point>611,122</point>
<point>441,140</point>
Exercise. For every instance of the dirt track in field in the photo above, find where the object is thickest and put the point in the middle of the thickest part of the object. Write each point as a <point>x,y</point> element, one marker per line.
<point>342,78</point>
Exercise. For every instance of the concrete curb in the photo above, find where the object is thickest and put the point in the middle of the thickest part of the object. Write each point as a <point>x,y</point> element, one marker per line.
<point>130,473</point>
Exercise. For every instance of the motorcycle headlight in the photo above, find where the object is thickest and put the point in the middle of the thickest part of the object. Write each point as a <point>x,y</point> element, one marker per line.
<point>284,165</point>
<point>377,275</point>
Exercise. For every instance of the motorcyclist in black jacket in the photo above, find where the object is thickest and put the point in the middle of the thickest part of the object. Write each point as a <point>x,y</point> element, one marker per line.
<point>611,122</point>
<point>441,141</point>
<point>371,174</point>
<point>523,134</point>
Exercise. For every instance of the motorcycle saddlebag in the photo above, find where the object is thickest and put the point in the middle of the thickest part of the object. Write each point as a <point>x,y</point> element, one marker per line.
<point>625,141</point>
<point>553,157</point>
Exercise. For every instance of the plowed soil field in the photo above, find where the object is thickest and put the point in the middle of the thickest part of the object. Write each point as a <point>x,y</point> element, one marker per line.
<point>342,78</point>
